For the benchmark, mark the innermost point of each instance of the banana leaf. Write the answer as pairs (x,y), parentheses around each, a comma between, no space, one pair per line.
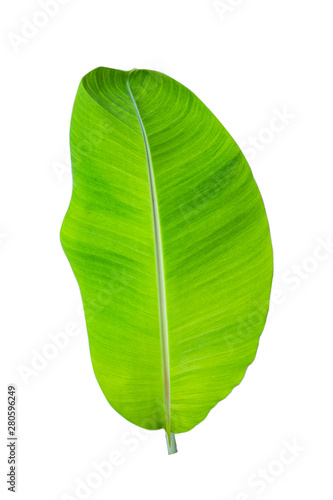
(168,238)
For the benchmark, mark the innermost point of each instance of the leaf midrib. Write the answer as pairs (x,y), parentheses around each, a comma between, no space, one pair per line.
(159,273)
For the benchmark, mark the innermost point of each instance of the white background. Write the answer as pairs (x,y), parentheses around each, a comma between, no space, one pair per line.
(248,61)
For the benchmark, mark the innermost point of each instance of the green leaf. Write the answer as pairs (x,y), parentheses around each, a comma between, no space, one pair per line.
(168,238)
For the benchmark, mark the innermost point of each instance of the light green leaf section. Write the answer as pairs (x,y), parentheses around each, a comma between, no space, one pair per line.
(168,238)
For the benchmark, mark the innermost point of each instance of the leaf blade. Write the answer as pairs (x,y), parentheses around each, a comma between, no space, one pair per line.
(214,241)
